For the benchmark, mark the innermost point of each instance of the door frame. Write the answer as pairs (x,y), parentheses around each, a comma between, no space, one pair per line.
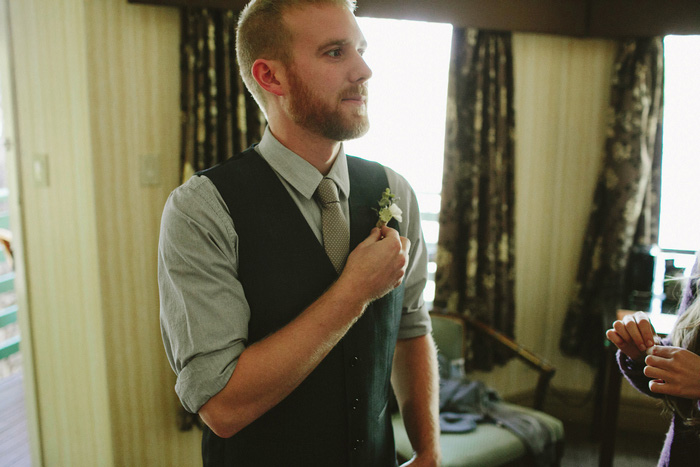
(12,147)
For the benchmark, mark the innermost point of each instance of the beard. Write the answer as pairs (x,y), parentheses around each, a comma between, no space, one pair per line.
(309,111)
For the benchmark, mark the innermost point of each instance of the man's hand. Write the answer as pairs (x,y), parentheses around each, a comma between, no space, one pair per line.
(633,335)
(417,461)
(414,377)
(377,265)
(674,371)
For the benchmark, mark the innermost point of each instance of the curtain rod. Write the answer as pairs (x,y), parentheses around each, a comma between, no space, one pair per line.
(582,18)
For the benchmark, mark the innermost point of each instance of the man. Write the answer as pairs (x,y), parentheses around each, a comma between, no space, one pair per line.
(285,350)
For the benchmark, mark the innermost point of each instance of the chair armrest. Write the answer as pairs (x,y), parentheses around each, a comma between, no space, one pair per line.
(545,370)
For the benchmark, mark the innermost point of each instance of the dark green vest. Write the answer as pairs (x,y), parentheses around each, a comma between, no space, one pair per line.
(338,416)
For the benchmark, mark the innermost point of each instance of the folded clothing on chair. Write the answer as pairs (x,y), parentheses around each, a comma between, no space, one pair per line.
(464,403)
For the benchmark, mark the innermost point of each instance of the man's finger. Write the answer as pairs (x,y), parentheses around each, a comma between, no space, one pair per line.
(405,244)
(374,236)
(388,232)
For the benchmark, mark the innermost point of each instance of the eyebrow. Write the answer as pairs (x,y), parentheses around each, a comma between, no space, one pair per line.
(339,42)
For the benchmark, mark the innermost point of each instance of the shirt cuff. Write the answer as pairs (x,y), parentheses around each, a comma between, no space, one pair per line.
(204,376)
(415,323)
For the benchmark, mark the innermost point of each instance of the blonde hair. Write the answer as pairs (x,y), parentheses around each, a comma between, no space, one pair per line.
(262,33)
(686,334)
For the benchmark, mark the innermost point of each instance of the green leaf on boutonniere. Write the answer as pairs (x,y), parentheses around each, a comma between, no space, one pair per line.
(387,209)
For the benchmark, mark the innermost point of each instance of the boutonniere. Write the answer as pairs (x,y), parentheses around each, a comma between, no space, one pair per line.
(387,209)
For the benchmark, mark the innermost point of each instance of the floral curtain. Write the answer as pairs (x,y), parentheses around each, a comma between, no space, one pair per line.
(625,211)
(475,272)
(219,117)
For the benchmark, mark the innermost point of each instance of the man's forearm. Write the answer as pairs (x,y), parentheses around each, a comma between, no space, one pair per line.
(416,385)
(269,370)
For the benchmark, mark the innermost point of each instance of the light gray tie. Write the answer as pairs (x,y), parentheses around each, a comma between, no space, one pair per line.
(336,234)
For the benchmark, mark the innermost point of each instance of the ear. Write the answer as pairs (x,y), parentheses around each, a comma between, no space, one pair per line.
(269,75)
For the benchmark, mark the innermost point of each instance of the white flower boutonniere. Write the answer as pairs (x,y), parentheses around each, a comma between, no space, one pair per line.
(387,209)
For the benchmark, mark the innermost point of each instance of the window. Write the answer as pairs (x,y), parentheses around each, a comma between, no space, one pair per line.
(408,95)
(680,226)
(679,233)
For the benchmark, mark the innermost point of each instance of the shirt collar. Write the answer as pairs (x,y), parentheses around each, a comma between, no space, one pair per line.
(300,174)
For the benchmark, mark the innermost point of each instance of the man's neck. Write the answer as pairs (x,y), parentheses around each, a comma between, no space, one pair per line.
(316,150)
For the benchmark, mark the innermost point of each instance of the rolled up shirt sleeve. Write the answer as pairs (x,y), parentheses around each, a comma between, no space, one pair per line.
(415,320)
(203,312)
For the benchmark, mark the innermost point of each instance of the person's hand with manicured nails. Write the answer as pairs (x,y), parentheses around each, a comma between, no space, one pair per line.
(674,371)
(634,335)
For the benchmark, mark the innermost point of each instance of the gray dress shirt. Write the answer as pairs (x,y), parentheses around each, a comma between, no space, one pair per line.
(203,309)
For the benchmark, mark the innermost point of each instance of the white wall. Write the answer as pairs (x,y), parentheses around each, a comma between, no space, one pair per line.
(97,87)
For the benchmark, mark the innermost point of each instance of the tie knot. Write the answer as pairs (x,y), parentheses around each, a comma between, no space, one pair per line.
(327,192)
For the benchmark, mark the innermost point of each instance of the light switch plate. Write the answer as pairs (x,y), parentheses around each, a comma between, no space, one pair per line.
(40,170)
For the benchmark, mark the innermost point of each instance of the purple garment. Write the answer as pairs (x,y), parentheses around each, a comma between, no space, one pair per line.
(682,444)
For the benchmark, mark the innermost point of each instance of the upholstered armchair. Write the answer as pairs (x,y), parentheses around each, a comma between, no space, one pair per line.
(491,443)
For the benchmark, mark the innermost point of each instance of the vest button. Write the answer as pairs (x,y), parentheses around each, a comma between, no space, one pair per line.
(354,361)
(357,443)
(355,403)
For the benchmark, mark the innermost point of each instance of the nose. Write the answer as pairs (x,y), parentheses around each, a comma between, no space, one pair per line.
(361,71)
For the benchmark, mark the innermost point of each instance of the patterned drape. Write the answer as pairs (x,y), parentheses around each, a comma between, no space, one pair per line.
(626,203)
(219,116)
(475,273)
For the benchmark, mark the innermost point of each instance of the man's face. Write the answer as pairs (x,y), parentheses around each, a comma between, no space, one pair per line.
(327,77)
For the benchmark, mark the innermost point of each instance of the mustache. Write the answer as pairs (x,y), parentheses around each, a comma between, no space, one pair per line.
(355,91)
